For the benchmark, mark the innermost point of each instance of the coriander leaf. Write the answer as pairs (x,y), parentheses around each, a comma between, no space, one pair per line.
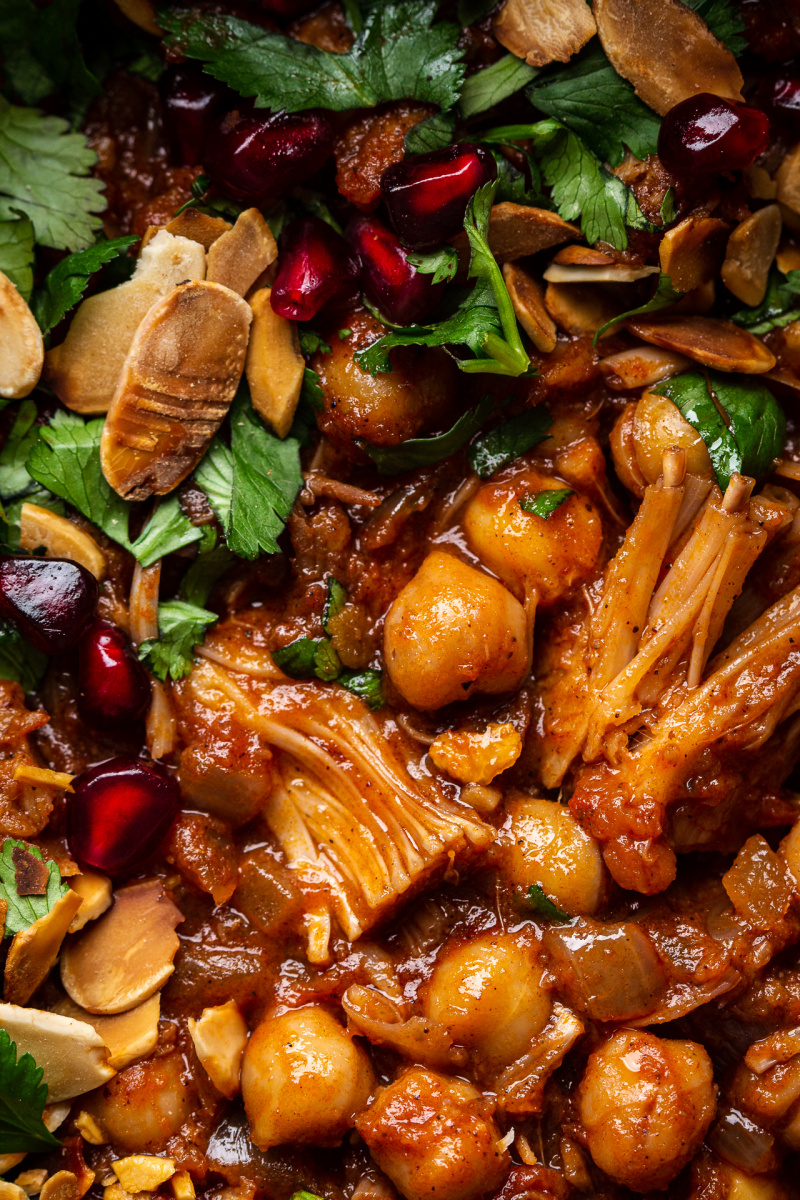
(668,211)
(367,685)
(16,254)
(148,65)
(43,169)
(512,184)
(690,394)
(66,283)
(22,1100)
(544,504)
(599,106)
(181,627)
(664,295)
(311,342)
(335,602)
(780,306)
(543,907)
(42,53)
(434,133)
(423,452)
(352,13)
(215,476)
(441,263)
(22,911)
(19,662)
(204,573)
(14,477)
(399,54)
(724,20)
(508,441)
(488,87)
(308,658)
(168,530)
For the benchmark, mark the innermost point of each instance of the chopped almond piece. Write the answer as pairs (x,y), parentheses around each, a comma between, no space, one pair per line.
(759,183)
(128,1036)
(238,257)
(31,1181)
(615,273)
(707,340)
(34,950)
(472,757)
(692,252)
(143,1172)
(10,1191)
(21,345)
(182,1186)
(583,256)
(89,1130)
(61,1186)
(666,51)
(751,253)
(61,538)
(43,777)
(220,1037)
(192,224)
(788,190)
(126,956)
(579,311)
(94,890)
(70,1053)
(7,1161)
(528,301)
(516,230)
(788,257)
(544,31)
(274,366)
(177,385)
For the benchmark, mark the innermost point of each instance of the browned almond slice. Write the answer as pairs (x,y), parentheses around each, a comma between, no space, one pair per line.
(21,345)
(579,310)
(220,1036)
(615,273)
(60,538)
(641,367)
(192,224)
(707,340)
(274,366)
(94,890)
(528,301)
(788,190)
(788,257)
(759,183)
(85,370)
(516,231)
(750,254)
(177,384)
(128,1036)
(34,950)
(583,256)
(692,253)
(238,257)
(61,1186)
(666,51)
(70,1053)
(143,1172)
(544,31)
(126,956)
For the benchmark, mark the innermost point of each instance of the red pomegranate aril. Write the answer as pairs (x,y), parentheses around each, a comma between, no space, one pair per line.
(779,96)
(315,265)
(113,687)
(119,813)
(706,133)
(192,100)
(388,279)
(256,156)
(427,195)
(50,600)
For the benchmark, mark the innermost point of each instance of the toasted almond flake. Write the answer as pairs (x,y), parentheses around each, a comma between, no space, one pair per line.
(94,890)
(8,1161)
(115,1192)
(182,1186)
(578,310)
(61,1186)
(34,950)
(61,538)
(128,1036)
(238,257)
(89,1130)
(71,1054)
(712,342)
(43,777)
(692,252)
(143,1172)
(274,365)
(142,13)
(192,224)
(177,384)
(85,370)
(476,757)
(666,51)
(528,301)
(220,1037)
(641,367)
(759,183)
(31,1181)
(124,957)
(583,256)
(515,231)
(544,31)
(55,1115)
(10,1191)
(788,257)
(750,254)
(787,194)
(616,273)
(21,345)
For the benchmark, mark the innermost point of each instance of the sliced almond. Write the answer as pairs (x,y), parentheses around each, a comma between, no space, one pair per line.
(61,1186)
(238,257)
(8,1161)
(528,301)
(21,345)
(89,1130)
(666,51)
(34,950)
(692,252)
(220,1037)
(182,1186)
(750,254)
(712,342)
(10,1191)
(274,366)
(94,890)
(177,385)
(788,190)
(143,1172)
(31,1181)
(615,273)
(71,1054)
(125,956)
(85,370)
(60,538)
(193,224)
(128,1036)
(583,256)
(579,310)
(759,183)
(544,31)
(515,231)
(788,257)
(641,367)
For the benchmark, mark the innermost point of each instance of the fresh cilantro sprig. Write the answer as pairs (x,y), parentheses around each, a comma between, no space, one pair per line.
(780,306)
(181,627)
(542,906)
(22,1100)
(68,280)
(664,295)
(544,504)
(16,254)
(488,87)
(400,53)
(724,20)
(508,440)
(22,911)
(434,133)
(42,53)
(442,263)
(424,452)
(19,661)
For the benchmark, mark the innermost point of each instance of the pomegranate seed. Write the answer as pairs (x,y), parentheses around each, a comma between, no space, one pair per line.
(50,600)
(706,133)
(256,156)
(191,100)
(426,196)
(779,96)
(315,265)
(113,688)
(119,813)
(389,280)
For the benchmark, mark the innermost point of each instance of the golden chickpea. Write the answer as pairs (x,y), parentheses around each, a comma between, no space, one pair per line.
(531,554)
(453,631)
(434,1138)
(144,1106)
(657,426)
(645,1104)
(303,1079)
(490,995)
(543,843)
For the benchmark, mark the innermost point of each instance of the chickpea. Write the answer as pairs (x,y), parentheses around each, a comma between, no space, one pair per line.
(418,394)
(434,1138)
(531,555)
(543,843)
(490,995)
(303,1079)
(645,1104)
(657,426)
(144,1106)
(453,631)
